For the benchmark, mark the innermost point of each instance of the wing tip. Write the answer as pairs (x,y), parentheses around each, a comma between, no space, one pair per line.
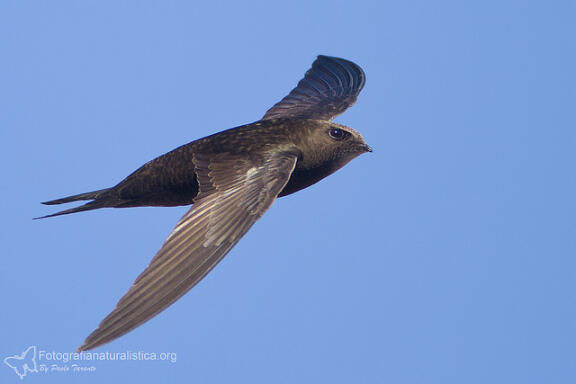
(331,79)
(349,66)
(86,346)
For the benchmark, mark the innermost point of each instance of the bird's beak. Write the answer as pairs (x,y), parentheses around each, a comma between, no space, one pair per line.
(367,148)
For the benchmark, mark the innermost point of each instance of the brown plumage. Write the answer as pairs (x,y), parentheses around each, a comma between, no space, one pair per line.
(230,178)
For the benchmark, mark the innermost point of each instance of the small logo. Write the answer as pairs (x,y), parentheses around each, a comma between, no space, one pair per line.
(23,363)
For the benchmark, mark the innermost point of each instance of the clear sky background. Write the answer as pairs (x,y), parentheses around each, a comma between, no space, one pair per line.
(446,256)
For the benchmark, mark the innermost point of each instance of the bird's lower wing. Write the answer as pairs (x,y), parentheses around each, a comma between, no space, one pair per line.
(234,192)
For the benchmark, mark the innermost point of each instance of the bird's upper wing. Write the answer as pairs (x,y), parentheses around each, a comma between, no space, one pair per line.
(329,88)
(234,193)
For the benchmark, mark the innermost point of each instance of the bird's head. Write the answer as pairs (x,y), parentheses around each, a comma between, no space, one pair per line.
(329,142)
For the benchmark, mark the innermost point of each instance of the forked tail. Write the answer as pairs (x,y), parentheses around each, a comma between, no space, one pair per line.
(82,196)
(97,203)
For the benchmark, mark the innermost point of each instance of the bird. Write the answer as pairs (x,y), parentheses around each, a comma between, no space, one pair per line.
(230,179)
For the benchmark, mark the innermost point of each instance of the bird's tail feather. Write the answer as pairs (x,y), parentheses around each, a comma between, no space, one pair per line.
(95,195)
(82,196)
(86,207)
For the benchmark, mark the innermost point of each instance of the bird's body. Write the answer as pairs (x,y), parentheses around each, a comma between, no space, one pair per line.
(170,179)
(230,178)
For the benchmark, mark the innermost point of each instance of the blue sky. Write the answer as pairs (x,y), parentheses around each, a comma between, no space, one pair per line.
(446,256)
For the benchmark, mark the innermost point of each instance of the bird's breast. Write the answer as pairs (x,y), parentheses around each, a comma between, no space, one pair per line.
(303,178)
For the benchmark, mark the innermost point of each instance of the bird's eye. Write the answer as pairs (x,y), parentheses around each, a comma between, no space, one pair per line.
(338,134)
